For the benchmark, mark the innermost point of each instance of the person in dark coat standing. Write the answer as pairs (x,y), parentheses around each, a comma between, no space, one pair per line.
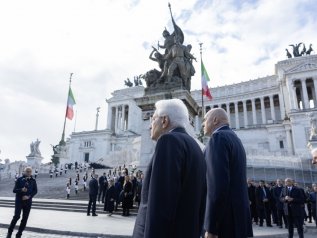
(251,193)
(227,210)
(103,185)
(313,200)
(139,189)
(263,197)
(304,214)
(273,209)
(293,199)
(276,193)
(309,205)
(174,186)
(118,188)
(93,192)
(127,200)
(110,198)
(25,189)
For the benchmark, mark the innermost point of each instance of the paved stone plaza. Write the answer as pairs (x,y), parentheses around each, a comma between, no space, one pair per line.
(43,223)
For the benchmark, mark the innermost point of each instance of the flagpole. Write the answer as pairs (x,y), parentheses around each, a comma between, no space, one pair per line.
(202,92)
(75,120)
(62,142)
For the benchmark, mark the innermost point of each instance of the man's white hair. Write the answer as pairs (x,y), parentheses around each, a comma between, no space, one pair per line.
(314,151)
(175,110)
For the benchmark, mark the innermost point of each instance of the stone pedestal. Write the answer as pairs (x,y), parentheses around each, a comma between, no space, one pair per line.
(60,153)
(147,105)
(34,161)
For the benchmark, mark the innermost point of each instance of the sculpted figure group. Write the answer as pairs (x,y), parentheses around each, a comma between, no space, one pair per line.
(175,63)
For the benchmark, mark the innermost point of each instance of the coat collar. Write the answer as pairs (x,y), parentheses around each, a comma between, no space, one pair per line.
(178,129)
(221,128)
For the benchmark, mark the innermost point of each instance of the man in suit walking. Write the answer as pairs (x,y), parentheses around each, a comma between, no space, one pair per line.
(276,193)
(227,209)
(293,199)
(263,197)
(174,187)
(93,192)
(25,189)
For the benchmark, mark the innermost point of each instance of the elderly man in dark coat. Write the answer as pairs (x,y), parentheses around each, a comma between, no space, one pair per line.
(25,189)
(227,210)
(174,187)
(293,198)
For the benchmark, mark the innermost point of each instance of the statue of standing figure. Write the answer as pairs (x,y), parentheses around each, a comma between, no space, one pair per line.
(175,64)
(313,126)
(34,147)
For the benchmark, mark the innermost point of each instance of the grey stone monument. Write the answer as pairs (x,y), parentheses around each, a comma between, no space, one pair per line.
(35,158)
(171,80)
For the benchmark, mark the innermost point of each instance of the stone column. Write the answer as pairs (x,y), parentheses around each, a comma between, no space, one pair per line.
(282,108)
(315,87)
(263,110)
(123,117)
(272,108)
(305,94)
(228,111)
(236,112)
(245,113)
(295,100)
(253,111)
(109,117)
(289,141)
(292,95)
(117,119)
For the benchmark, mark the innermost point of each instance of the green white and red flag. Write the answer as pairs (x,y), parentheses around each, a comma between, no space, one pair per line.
(204,82)
(70,103)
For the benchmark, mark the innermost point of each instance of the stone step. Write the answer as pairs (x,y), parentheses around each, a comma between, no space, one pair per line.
(64,206)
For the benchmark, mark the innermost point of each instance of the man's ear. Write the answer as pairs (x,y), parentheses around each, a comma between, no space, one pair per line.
(215,121)
(165,122)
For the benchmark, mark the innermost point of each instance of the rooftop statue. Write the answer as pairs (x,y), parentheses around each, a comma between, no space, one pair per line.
(297,52)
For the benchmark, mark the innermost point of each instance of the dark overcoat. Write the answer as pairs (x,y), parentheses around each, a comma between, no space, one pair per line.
(227,209)
(174,188)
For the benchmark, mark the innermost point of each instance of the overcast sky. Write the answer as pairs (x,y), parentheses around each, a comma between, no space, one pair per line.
(105,41)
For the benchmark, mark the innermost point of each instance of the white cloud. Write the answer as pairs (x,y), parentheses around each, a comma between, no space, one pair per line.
(104,42)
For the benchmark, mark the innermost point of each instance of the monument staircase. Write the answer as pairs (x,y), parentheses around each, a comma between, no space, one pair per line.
(52,194)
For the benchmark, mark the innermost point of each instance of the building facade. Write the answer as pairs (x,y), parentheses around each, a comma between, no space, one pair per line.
(269,114)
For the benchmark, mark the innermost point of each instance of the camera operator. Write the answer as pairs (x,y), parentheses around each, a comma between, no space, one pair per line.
(25,189)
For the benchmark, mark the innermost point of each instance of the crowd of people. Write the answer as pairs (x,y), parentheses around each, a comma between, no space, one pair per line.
(114,188)
(267,202)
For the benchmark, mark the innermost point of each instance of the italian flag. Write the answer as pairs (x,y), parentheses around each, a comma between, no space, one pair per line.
(70,103)
(204,82)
